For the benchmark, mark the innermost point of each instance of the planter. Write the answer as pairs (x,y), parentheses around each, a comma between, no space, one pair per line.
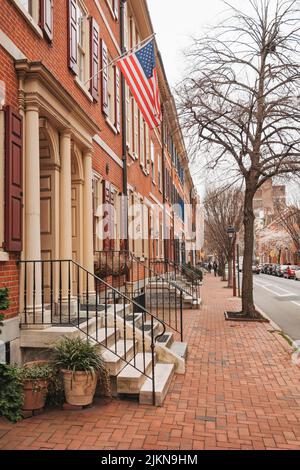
(79,387)
(35,393)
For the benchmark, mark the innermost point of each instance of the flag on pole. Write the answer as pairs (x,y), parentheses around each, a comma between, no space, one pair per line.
(139,70)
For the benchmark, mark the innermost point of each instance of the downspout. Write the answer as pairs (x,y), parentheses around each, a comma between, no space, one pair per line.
(164,188)
(124,130)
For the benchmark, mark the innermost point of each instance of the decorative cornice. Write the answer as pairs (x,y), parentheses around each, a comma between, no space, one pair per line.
(30,71)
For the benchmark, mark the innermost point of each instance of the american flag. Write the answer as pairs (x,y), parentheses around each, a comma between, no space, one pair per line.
(139,70)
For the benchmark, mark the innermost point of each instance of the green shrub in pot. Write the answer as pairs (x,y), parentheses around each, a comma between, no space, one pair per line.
(35,378)
(81,365)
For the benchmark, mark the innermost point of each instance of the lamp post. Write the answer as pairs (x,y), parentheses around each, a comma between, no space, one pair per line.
(232,236)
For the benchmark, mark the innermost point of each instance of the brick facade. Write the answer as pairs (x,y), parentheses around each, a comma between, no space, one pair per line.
(21,40)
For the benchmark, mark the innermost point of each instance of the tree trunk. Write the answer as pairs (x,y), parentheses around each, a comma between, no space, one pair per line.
(247,287)
(230,272)
(221,270)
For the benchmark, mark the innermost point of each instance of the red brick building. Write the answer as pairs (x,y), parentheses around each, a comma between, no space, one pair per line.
(63,152)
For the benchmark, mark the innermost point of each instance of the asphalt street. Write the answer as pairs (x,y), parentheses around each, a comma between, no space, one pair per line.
(280,299)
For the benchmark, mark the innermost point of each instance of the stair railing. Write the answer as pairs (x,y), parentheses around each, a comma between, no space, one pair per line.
(63,293)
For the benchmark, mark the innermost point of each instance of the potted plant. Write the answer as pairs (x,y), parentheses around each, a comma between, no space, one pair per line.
(35,378)
(81,364)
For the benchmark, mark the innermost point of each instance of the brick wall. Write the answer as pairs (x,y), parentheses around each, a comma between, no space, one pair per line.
(9,277)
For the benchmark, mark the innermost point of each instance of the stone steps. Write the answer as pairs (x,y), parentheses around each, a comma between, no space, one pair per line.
(124,350)
(130,379)
(163,377)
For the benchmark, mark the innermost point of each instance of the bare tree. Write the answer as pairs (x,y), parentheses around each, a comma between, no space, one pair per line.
(289,219)
(239,104)
(223,209)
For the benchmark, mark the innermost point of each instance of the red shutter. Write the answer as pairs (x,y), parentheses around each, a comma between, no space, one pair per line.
(118,100)
(116,9)
(13,180)
(104,78)
(73,40)
(46,13)
(95,59)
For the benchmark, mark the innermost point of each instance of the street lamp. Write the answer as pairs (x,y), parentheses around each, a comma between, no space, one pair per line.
(231,231)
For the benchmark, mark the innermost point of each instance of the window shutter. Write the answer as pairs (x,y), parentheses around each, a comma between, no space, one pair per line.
(13,180)
(116,8)
(104,78)
(73,39)
(46,14)
(118,99)
(95,58)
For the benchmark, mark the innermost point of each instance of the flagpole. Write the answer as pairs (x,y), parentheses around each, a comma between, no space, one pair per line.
(126,52)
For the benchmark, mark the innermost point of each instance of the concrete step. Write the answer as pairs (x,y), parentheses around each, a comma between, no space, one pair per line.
(148,326)
(124,350)
(179,348)
(166,340)
(111,334)
(130,380)
(163,377)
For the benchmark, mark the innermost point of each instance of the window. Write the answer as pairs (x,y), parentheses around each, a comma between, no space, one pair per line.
(39,14)
(159,172)
(111,92)
(142,140)
(97,201)
(152,162)
(82,44)
(27,5)
(114,7)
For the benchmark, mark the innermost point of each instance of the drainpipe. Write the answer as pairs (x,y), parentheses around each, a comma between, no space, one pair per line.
(124,133)
(164,187)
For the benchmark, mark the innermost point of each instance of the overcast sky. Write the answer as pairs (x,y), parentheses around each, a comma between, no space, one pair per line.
(175,21)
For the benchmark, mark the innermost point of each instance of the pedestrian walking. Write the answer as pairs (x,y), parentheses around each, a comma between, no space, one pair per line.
(215,268)
(209,267)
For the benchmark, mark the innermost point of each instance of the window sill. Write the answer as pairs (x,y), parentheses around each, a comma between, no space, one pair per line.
(29,19)
(111,125)
(85,91)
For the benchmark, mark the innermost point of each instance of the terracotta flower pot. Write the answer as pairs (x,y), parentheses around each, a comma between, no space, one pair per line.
(35,392)
(79,387)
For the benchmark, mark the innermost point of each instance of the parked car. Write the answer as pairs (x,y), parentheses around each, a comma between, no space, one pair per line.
(266,268)
(276,269)
(290,272)
(297,274)
(281,269)
(256,269)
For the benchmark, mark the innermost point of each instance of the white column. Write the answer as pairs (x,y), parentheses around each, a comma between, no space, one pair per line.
(65,213)
(32,213)
(88,241)
(32,182)
(88,250)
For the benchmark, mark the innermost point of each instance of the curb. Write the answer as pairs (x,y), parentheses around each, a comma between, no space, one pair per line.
(273,324)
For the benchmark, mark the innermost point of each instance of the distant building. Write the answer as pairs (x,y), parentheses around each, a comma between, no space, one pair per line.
(267,197)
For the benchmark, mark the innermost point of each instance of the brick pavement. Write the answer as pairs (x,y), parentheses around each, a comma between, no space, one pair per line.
(240,391)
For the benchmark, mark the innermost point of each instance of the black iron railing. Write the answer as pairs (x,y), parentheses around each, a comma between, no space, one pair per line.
(63,293)
(151,288)
(181,274)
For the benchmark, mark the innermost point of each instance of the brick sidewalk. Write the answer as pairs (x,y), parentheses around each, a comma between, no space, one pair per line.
(240,391)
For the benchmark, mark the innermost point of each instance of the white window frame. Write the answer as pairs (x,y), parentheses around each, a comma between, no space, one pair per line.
(31,15)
